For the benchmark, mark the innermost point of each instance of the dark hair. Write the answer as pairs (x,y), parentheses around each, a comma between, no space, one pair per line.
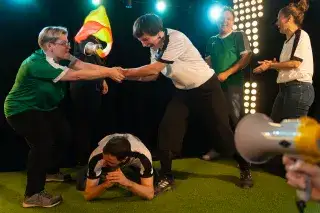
(149,24)
(118,146)
(297,11)
(226,8)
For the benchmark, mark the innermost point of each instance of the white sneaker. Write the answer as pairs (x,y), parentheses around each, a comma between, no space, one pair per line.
(212,154)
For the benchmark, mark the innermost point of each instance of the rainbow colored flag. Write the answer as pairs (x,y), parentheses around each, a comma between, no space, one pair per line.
(97,24)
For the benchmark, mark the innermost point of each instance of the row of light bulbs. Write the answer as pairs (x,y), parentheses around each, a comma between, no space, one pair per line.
(250,98)
(253,2)
(247,13)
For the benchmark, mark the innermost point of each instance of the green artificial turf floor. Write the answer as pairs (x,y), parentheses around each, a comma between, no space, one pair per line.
(200,187)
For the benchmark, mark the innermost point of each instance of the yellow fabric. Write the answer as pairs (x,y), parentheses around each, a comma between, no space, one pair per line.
(100,15)
(104,35)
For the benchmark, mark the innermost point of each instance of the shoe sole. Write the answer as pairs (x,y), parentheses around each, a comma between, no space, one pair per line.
(54,180)
(25,205)
(167,189)
(206,158)
(247,186)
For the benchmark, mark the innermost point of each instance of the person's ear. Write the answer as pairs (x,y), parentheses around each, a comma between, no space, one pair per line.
(160,34)
(49,46)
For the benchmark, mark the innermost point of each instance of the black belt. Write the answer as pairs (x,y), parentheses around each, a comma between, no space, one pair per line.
(294,82)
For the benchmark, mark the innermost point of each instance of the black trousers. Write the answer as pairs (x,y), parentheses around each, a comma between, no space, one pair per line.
(209,104)
(48,136)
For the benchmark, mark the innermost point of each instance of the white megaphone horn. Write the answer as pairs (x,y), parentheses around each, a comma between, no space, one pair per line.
(258,138)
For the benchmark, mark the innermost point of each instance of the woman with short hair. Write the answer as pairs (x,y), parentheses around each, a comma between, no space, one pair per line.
(31,109)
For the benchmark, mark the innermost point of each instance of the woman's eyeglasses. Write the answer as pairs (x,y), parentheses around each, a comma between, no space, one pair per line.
(63,43)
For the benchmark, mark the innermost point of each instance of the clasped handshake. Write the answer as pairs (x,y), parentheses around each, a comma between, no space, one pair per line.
(119,74)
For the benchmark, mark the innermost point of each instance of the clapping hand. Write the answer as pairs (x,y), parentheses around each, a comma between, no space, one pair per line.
(264,65)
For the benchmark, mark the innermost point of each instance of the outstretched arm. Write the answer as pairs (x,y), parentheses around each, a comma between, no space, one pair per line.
(79,70)
(144,79)
(145,71)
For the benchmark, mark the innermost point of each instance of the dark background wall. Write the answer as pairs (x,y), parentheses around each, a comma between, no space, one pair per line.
(131,107)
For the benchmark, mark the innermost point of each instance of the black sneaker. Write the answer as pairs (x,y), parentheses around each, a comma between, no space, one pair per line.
(42,199)
(246,179)
(58,177)
(163,185)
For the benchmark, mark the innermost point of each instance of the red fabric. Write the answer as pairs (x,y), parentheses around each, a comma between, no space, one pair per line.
(87,29)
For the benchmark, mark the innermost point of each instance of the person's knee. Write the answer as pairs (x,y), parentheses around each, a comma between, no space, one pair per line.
(81,179)
(169,139)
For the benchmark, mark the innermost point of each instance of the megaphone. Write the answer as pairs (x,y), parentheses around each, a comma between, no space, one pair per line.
(258,138)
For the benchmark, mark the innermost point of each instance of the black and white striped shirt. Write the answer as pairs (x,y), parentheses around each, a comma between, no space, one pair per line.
(139,157)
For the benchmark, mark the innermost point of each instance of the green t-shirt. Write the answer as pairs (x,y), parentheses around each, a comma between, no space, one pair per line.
(227,51)
(37,85)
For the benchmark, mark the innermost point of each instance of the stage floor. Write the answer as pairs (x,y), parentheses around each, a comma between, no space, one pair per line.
(200,187)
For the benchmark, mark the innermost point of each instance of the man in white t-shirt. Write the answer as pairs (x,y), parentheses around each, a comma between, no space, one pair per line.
(197,90)
(115,153)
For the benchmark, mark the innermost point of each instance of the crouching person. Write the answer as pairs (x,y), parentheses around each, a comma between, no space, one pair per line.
(107,162)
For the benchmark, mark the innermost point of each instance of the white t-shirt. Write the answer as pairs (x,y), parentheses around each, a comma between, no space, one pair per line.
(185,66)
(301,51)
(140,157)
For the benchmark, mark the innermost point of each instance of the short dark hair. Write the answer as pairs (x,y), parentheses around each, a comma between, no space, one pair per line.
(226,8)
(118,146)
(150,24)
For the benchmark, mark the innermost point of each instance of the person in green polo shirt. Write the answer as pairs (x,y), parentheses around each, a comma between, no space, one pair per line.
(31,109)
(228,53)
